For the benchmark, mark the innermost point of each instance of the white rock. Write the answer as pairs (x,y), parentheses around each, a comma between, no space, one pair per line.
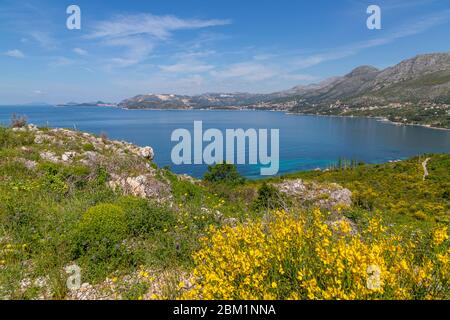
(146,152)
(49,156)
(68,156)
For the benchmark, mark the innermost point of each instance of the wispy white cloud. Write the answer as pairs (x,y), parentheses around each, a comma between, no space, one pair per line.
(160,27)
(139,34)
(187,68)
(15,54)
(410,29)
(80,51)
(61,62)
(246,70)
(136,50)
(44,39)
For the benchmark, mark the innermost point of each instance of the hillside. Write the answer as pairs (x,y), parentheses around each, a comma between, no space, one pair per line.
(208,100)
(415,91)
(140,232)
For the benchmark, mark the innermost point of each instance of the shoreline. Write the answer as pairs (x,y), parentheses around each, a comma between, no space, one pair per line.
(380,119)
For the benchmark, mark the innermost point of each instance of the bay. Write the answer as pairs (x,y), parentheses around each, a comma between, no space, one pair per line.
(306,142)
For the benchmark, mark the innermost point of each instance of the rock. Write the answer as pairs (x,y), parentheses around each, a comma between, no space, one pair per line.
(185,177)
(144,186)
(232,222)
(29,164)
(38,139)
(49,156)
(68,156)
(32,127)
(312,194)
(41,138)
(146,152)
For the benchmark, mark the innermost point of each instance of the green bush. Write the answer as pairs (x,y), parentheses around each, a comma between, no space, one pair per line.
(88,147)
(98,240)
(59,179)
(223,173)
(102,175)
(268,198)
(5,137)
(145,218)
(9,139)
(365,198)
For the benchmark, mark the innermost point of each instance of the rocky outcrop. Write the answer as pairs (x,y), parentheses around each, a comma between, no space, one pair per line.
(127,165)
(313,194)
(144,186)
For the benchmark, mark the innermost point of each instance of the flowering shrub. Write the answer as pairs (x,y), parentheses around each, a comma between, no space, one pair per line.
(307,257)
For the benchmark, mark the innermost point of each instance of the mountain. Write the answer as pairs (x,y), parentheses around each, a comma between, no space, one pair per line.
(422,78)
(207,100)
(415,91)
(88,104)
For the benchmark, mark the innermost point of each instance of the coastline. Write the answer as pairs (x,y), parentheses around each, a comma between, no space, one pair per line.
(380,119)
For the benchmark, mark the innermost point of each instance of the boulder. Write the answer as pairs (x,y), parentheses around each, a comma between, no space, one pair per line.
(146,152)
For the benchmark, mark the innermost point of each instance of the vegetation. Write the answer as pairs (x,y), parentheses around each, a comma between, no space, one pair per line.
(231,238)
(223,173)
(397,189)
(426,113)
(304,257)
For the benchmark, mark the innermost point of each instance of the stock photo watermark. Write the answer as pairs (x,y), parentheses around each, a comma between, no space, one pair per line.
(74,280)
(252,142)
(374,20)
(73,22)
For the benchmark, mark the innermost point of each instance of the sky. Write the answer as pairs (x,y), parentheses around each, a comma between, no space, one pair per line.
(125,48)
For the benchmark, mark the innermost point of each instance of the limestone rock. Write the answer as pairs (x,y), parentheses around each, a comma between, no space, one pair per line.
(147,153)
(322,195)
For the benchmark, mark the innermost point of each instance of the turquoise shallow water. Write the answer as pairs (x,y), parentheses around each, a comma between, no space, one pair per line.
(306,142)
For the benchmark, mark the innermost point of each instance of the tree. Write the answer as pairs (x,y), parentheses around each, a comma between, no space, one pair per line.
(223,173)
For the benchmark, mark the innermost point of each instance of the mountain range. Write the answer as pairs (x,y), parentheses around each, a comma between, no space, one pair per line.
(424,78)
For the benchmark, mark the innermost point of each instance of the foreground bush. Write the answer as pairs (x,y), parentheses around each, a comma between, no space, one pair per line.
(98,239)
(308,258)
(145,218)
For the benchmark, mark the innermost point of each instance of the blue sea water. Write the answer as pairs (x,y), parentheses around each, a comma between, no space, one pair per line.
(306,142)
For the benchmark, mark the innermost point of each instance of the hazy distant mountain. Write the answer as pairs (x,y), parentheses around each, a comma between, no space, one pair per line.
(36,104)
(207,100)
(422,78)
(88,104)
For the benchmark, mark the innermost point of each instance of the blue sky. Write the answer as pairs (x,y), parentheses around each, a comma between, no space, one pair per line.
(131,47)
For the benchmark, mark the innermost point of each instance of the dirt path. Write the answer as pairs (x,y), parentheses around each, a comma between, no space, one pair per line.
(425,170)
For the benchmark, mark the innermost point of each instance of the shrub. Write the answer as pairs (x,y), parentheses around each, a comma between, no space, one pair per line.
(18,121)
(59,179)
(365,198)
(223,173)
(5,137)
(10,139)
(305,257)
(145,218)
(98,239)
(268,198)
(102,175)
(420,215)
(88,147)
